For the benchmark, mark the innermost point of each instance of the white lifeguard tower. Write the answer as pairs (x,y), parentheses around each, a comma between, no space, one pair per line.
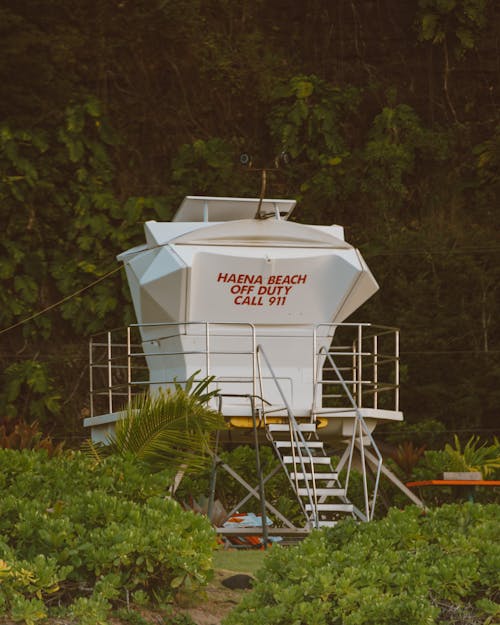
(232,289)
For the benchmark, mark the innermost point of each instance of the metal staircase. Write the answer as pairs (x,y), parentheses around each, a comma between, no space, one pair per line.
(309,468)
(310,471)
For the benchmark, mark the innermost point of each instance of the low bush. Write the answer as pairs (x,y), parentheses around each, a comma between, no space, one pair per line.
(410,567)
(83,537)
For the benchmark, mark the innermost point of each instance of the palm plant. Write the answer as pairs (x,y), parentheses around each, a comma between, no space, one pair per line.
(407,456)
(170,429)
(198,389)
(474,457)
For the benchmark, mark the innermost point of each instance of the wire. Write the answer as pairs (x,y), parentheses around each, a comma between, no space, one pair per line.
(472,250)
(61,301)
(367,254)
(444,431)
(429,352)
(448,352)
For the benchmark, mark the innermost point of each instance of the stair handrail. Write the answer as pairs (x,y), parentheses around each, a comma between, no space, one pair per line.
(362,426)
(295,436)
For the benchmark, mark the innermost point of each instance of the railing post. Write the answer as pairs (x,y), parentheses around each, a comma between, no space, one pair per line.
(207,348)
(254,363)
(375,371)
(315,374)
(359,376)
(110,376)
(129,368)
(91,373)
(260,476)
(397,370)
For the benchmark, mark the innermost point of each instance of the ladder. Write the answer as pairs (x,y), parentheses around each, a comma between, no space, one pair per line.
(313,478)
(310,470)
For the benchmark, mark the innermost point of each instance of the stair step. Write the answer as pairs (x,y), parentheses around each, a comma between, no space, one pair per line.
(306,459)
(330,507)
(284,427)
(310,444)
(327,523)
(329,492)
(318,476)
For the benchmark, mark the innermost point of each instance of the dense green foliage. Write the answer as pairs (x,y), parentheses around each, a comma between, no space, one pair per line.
(113,111)
(424,569)
(81,538)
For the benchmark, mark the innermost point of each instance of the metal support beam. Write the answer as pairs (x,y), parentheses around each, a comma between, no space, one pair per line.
(373,460)
(253,492)
(247,497)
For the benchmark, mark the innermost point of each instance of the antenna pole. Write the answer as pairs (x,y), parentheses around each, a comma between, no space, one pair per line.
(262,193)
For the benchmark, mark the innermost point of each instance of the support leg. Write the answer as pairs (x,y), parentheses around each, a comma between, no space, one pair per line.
(393,478)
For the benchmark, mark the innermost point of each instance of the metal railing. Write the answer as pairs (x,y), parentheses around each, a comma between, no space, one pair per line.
(297,443)
(367,356)
(359,432)
(119,369)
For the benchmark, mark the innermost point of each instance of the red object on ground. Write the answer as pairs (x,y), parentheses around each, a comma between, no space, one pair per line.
(249,541)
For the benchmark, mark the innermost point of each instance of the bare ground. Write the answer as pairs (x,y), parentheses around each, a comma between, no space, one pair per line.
(208,607)
(214,603)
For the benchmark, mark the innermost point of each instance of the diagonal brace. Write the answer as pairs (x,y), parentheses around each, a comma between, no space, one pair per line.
(252,491)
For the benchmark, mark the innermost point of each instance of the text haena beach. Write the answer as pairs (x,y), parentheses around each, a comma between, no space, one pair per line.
(259,290)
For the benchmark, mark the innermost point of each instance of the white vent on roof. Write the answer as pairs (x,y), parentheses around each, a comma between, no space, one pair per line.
(195,208)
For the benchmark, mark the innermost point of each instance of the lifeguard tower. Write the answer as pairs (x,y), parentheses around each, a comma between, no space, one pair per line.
(232,289)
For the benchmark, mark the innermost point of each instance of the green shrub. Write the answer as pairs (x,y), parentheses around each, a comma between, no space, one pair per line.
(407,568)
(474,455)
(88,536)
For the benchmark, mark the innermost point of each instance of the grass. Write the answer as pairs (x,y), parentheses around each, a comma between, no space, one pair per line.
(239,560)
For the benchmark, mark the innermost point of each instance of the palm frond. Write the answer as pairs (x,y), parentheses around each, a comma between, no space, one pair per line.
(172,428)
(93,451)
(474,457)
(197,389)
